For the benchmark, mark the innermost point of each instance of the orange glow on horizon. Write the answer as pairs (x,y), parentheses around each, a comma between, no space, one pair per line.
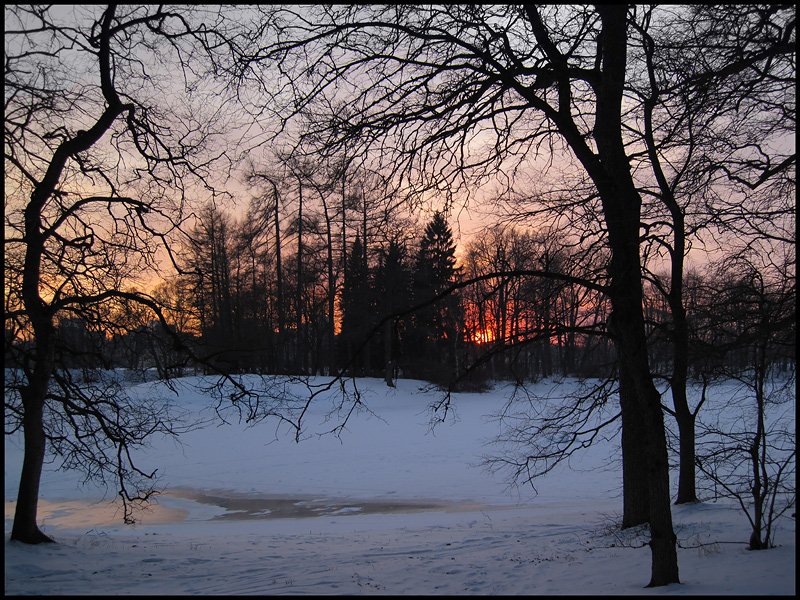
(483,336)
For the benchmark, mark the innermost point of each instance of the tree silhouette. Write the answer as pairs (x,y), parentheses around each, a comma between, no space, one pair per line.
(431,82)
(356,307)
(99,161)
(437,327)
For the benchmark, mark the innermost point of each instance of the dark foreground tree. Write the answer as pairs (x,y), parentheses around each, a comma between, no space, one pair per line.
(654,106)
(99,164)
(447,96)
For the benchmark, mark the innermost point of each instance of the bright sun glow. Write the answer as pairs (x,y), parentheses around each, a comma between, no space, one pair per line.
(483,336)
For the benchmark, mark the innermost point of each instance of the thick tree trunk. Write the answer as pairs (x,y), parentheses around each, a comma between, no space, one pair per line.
(33,394)
(628,326)
(645,408)
(622,212)
(687,490)
(662,537)
(635,484)
(25,528)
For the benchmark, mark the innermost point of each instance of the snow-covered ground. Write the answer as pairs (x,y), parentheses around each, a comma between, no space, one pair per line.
(391,507)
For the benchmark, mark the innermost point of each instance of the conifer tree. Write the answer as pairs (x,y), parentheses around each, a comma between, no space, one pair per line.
(437,326)
(356,306)
(392,288)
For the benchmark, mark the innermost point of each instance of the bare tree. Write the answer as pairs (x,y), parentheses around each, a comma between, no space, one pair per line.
(655,106)
(752,457)
(447,96)
(100,167)
(716,93)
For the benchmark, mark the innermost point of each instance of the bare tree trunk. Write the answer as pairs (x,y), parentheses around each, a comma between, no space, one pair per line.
(646,410)
(631,341)
(662,536)
(25,528)
(635,485)
(33,395)
(687,490)
(279,286)
(622,211)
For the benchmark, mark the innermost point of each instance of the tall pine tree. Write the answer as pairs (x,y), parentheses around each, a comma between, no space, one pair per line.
(392,287)
(437,327)
(356,308)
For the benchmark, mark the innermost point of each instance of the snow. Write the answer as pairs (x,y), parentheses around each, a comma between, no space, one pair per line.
(390,507)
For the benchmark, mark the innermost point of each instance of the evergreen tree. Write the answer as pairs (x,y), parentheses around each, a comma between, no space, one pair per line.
(437,327)
(392,289)
(356,317)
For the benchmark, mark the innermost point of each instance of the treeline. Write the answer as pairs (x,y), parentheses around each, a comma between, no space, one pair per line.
(292,289)
(300,281)
(304,292)
(313,280)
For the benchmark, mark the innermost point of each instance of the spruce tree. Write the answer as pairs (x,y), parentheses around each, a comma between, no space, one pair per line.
(437,326)
(356,313)
(392,288)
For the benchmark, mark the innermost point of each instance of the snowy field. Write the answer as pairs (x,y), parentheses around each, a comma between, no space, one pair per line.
(390,508)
